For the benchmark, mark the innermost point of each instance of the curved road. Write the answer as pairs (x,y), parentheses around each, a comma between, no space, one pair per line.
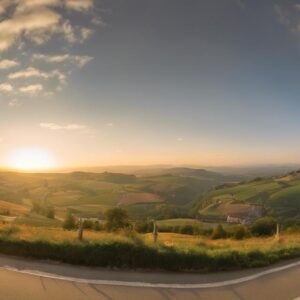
(32,280)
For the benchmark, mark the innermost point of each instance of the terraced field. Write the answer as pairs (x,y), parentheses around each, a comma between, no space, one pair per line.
(279,197)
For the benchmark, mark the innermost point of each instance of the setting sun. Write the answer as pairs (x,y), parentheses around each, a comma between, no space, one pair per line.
(31,159)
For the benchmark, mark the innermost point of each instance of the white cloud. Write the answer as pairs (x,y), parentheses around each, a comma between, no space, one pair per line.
(80,61)
(39,20)
(79,5)
(68,127)
(30,24)
(85,33)
(27,5)
(8,64)
(6,88)
(28,73)
(33,72)
(31,89)
(69,32)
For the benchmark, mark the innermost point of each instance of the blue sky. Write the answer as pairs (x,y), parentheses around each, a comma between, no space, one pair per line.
(203,82)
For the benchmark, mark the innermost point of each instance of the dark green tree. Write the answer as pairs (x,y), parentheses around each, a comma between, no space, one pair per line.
(219,233)
(69,222)
(116,219)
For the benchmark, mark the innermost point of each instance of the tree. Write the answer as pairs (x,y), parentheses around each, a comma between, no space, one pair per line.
(219,233)
(69,222)
(116,219)
(240,232)
(50,213)
(264,227)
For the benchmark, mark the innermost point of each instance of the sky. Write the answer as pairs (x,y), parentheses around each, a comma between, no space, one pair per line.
(114,82)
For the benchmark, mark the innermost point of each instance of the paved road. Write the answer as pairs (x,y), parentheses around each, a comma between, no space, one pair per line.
(15,285)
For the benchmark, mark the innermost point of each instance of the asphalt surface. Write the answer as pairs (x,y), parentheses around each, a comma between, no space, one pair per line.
(32,280)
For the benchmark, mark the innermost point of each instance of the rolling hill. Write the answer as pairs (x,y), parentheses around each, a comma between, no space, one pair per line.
(277,196)
(171,193)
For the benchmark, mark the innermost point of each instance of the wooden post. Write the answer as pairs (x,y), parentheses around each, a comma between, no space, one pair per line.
(80,230)
(155,232)
(277,235)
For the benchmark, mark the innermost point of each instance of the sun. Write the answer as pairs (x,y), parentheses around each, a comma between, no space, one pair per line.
(31,159)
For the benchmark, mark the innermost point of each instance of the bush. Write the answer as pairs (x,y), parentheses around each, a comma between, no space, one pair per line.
(134,254)
(97,226)
(264,227)
(240,232)
(116,219)
(187,229)
(69,222)
(219,233)
(88,224)
(50,213)
(143,226)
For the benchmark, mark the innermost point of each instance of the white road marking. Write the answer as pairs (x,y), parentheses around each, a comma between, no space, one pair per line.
(155,285)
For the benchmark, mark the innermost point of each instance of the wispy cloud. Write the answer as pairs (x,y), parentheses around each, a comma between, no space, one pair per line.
(67,127)
(35,73)
(80,61)
(32,89)
(79,5)
(28,73)
(287,13)
(8,64)
(6,87)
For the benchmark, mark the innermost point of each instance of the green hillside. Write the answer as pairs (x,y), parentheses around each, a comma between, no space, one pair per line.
(278,197)
(172,194)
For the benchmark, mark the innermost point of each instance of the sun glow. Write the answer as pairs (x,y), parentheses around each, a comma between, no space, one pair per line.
(30,159)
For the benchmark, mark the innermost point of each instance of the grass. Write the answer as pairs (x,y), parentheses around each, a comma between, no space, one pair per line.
(172,252)
(36,220)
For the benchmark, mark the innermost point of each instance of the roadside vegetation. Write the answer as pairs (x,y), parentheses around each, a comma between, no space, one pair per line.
(129,250)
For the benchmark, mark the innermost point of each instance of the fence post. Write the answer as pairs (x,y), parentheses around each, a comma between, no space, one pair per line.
(80,230)
(155,232)
(277,235)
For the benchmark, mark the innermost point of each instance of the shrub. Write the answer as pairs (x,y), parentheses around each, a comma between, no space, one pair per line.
(69,222)
(50,213)
(135,254)
(219,233)
(117,219)
(187,229)
(97,226)
(240,232)
(264,227)
(88,224)
(143,226)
